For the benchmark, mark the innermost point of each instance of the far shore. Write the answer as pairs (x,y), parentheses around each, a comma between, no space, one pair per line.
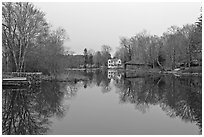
(72,77)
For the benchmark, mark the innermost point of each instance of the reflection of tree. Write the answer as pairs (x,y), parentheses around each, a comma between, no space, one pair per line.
(177,96)
(49,99)
(89,75)
(96,77)
(28,111)
(106,88)
(139,92)
(187,99)
(18,114)
(101,79)
(70,89)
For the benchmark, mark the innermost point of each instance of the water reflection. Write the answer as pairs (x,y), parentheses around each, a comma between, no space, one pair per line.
(114,74)
(99,78)
(177,96)
(28,111)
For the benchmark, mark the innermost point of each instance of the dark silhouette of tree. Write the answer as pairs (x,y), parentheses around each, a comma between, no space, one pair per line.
(178,97)
(27,112)
(97,58)
(85,57)
(19,118)
(90,59)
(105,53)
(126,43)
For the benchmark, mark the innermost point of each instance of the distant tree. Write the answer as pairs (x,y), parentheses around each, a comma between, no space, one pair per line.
(186,43)
(196,41)
(178,43)
(126,43)
(161,56)
(73,61)
(97,59)
(90,51)
(122,54)
(106,48)
(68,51)
(85,57)
(199,22)
(172,45)
(105,51)
(90,59)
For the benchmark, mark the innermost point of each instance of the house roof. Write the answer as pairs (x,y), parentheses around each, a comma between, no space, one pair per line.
(114,60)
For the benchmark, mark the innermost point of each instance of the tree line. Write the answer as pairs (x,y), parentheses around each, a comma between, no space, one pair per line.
(178,46)
(29,44)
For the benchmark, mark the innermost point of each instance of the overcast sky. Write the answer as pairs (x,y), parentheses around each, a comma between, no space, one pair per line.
(90,25)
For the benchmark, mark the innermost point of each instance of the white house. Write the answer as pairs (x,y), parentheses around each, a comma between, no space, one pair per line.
(114,63)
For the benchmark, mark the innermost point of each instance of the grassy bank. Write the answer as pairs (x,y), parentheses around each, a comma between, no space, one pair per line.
(180,72)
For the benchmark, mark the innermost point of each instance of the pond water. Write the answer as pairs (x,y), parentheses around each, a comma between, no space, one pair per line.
(108,102)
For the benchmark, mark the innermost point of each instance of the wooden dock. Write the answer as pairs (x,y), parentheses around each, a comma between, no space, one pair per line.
(20,79)
(15,81)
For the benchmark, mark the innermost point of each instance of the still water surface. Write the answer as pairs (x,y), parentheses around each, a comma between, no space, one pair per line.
(106,103)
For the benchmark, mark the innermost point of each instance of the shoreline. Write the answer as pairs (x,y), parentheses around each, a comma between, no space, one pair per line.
(193,71)
(67,79)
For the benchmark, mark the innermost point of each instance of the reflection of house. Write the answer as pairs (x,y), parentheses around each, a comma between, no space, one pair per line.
(114,63)
(114,74)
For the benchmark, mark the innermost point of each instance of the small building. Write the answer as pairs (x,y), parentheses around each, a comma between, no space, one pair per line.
(114,63)
(137,63)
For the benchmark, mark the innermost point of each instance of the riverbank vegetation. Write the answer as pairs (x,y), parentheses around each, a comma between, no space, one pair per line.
(29,44)
(177,47)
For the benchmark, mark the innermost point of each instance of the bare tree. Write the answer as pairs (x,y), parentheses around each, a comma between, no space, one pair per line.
(126,43)
(105,51)
(22,23)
